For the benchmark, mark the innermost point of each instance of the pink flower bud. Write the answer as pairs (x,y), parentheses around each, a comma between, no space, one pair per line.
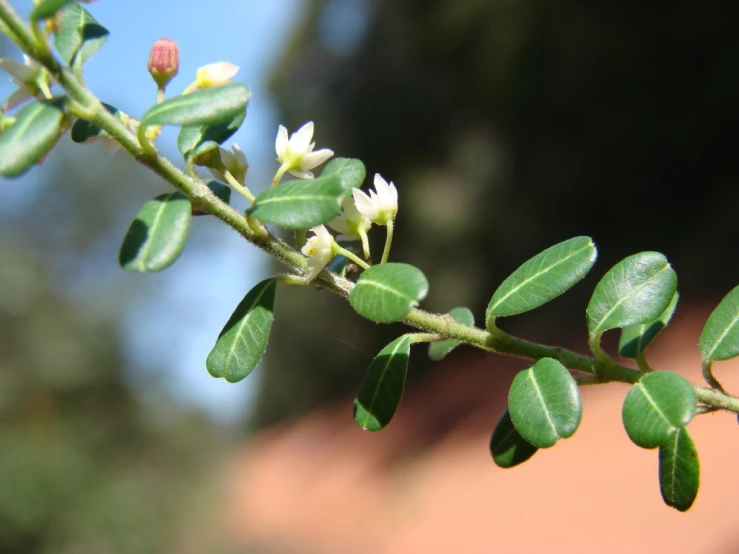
(164,61)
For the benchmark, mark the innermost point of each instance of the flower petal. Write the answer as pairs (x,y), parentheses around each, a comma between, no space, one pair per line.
(281,141)
(22,72)
(22,94)
(300,141)
(314,159)
(316,264)
(365,204)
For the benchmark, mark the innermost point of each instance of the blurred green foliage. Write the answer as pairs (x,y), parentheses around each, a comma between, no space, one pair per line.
(86,465)
(508,126)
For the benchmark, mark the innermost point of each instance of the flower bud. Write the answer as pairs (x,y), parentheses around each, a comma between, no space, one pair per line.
(164,61)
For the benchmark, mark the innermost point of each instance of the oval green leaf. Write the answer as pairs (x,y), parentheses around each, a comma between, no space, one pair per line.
(208,107)
(635,338)
(657,406)
(636,290)
(507,446)
(387,292)
(382,387)
(350,171)
(195,140)
(544,403)
(47,8)
(79,35)
(543,278)
(220,190)
(243,340)
(157,236)
(720,337)
(300,204)
(679,470)
(439,350)
(35,131)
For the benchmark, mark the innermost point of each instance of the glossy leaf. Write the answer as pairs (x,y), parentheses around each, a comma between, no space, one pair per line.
(300,204)
(657,406)
(84,130)
(544,403)
(208,107)
(243,340)
(679,470)
(507,446)
(79,35)
(34,132)
(387,292)
(47,8)
(220,190)
(157,236)
(720,337)
(195,140)
(382,387)
(439,350)
(635,338)
(350,171)
(636,290)
(543,278)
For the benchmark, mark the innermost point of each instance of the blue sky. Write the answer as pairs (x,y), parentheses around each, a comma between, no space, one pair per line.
(249,33)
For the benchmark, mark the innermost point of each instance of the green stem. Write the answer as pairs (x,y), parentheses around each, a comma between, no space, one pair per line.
(642,364)
(423,337)
(388,241)
(365,243)
(430,324)
(241,189)
(707,369)
(350,255)
(279,174)
(301,237)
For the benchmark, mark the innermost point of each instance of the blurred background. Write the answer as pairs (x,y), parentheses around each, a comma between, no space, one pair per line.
(507,126)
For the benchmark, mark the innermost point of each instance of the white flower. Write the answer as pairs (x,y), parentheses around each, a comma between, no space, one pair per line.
(320,251)
(350,223)
(215,74)
(379,207)
(297,153)
(234,162)
(25,75)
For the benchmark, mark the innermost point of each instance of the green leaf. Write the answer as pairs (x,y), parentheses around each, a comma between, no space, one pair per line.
(439,350)
(387,292)
(544,403)
(195,140)
(507,446)
(243,340)
(636,290)
(47,8)
(543,278)
(157,236)
(220,190)
(35,131)
(208,107)
(79,35)
(382,387)
(300,204)
(635,338)
(720,337)
(679,470)
(350,171)
(84,130)
(656,407)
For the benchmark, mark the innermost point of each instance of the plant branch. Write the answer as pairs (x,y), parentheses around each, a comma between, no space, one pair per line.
(203,199)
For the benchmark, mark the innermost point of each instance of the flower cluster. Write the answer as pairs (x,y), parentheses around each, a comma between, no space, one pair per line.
(358,213)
